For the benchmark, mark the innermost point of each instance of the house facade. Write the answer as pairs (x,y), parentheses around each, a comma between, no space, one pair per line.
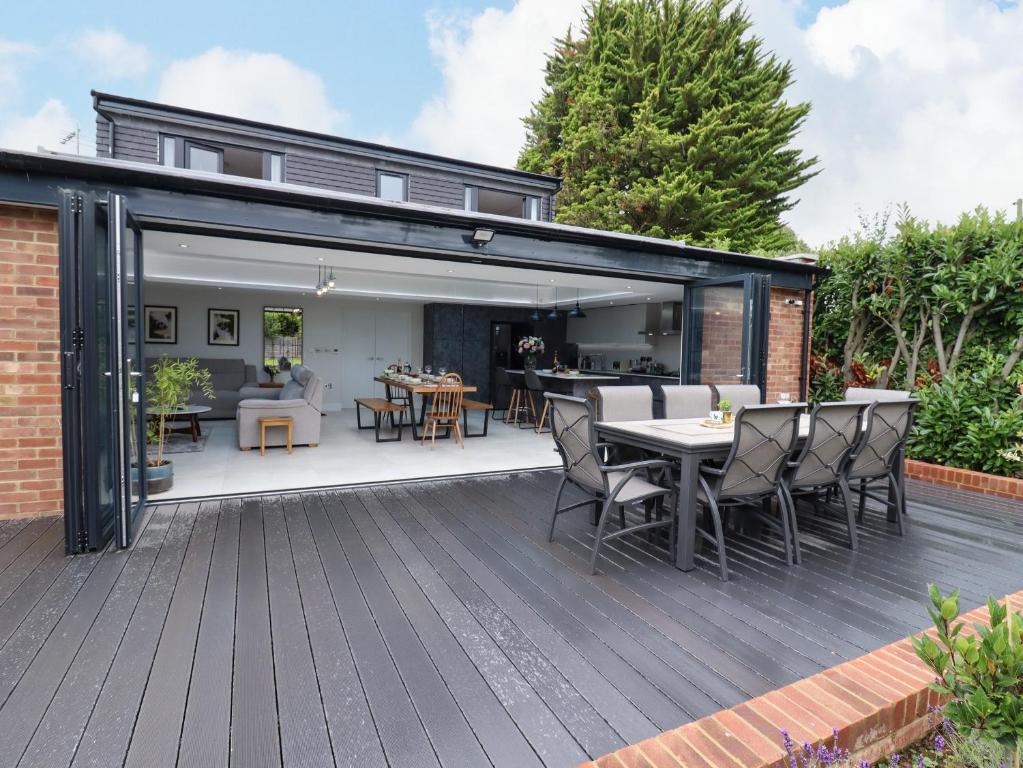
(184,216)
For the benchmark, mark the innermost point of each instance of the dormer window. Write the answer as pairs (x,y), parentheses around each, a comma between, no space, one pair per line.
(227,159)
(484,200)
(392,186)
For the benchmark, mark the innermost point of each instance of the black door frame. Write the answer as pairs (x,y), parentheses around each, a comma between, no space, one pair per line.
(92,243)
(756,320)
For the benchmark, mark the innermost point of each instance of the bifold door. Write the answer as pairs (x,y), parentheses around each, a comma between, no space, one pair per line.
(103,404)
(724,330)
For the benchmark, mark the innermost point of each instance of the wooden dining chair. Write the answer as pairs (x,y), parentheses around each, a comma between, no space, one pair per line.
(445,409)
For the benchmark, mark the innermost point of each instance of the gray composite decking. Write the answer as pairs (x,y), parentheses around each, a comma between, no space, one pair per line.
(431,624)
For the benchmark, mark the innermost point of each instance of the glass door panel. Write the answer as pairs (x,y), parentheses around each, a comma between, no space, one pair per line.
(133,381)
(724,330)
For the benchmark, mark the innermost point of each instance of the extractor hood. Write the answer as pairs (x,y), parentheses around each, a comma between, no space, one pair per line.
(663,319)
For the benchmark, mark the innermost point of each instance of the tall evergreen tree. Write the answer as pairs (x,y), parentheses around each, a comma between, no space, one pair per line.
(667,118)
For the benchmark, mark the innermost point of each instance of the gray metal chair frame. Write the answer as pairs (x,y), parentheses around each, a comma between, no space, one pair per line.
(873,461)
(534,386)
(765,438)
(835,431)
(572,420)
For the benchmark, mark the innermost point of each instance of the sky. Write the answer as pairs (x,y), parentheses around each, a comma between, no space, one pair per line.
(914,101)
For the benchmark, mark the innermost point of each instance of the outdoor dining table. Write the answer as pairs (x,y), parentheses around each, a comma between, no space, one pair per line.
(689,442)
(424,388)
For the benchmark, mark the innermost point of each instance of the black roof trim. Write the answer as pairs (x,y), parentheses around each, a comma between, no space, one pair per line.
(68,168)
(103,102)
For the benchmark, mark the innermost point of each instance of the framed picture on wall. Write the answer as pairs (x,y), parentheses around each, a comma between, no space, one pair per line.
(161,325)
(222,327)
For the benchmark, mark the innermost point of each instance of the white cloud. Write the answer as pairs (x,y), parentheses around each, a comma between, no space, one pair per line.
(13,56)
(110,54)
(493,68)
(45,128)
(258,86)
(916,101)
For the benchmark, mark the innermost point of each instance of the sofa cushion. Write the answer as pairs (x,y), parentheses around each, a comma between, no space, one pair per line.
(301,374)
(225,373)
(292,391)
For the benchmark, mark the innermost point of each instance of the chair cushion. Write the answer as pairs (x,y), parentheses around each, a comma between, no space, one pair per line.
(635,488)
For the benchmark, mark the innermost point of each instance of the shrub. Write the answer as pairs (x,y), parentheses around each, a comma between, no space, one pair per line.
(982,674)
(971,419)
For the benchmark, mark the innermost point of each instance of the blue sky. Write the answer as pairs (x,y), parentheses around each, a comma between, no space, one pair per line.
(374,57)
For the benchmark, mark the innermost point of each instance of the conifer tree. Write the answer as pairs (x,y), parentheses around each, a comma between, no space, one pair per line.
(668,118)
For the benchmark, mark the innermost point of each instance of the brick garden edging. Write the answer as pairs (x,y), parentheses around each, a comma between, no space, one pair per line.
(966,479)
(878,702)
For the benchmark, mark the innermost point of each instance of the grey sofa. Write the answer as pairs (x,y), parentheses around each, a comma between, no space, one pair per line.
(301,398)
(233,381)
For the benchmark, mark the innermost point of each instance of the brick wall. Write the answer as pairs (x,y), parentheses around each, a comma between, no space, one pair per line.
(721,352)
(31,454)
(785,354)
(877,702)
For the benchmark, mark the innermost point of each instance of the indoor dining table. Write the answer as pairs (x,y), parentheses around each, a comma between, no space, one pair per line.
(688,442)
(423,388)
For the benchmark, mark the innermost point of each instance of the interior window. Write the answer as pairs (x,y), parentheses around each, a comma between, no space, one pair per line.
(502,203)
(243,162)
(277,168)
(204,159)
(168,151)
(282,338)
(392,186)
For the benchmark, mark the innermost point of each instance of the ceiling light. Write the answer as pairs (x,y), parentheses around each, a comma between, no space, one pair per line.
(331,280)
(450,271)
(319,258)
(536,317)
(553,314)
(576,311)
(182,245)
(482,236)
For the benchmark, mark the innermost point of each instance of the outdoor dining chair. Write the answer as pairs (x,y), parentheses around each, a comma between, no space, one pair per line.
(614,486)
(873,462)
(835,430)
(871,394)
(739,395)
(445,410)
(765,437)
(687,401)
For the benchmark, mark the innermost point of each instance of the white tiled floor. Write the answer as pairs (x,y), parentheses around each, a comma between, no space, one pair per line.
(346,455)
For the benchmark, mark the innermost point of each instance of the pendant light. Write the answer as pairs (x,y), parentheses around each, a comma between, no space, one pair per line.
(576,311)
(536,317)
(553,314)
(331,280)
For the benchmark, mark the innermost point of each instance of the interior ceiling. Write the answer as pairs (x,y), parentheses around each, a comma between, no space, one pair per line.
(233,262)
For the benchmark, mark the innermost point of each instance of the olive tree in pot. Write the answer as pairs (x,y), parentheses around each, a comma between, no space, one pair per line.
(168,388)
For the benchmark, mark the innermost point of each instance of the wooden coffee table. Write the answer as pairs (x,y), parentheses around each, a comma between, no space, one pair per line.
(189,413)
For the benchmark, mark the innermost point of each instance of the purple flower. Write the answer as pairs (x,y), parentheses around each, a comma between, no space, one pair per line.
(920,761)
(896,759)
(939,743)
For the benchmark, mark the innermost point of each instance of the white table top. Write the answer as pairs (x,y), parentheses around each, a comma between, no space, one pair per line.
(186,411)
(686,433)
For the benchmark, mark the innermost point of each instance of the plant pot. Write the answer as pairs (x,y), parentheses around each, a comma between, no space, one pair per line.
(530,362)
(726,417)
(158,479)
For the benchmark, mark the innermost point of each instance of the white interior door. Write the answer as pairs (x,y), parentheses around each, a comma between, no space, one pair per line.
(393,337)
(358,354)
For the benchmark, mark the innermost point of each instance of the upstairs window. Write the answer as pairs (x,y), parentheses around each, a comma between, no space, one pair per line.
(245,162)
(484,200)
(392,186)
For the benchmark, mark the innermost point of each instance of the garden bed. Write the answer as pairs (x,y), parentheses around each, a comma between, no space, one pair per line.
(966,479)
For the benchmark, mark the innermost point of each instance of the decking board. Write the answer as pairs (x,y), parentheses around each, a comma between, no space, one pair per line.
(432,623)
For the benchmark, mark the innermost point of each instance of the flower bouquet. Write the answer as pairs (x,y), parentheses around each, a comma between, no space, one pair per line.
(530,347)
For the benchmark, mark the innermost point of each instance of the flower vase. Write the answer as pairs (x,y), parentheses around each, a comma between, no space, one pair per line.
(531,362)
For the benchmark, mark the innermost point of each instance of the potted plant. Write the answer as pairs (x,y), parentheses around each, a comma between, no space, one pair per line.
(725,406)
(170,384)
(530,347)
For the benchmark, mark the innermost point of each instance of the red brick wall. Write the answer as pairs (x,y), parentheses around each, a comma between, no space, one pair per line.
(31,451)
(720,355)
(785,354)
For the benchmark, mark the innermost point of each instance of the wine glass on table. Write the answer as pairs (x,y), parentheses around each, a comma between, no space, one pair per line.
(427,369)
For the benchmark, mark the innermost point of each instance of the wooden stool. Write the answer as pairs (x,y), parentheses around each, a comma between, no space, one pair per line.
(273,421)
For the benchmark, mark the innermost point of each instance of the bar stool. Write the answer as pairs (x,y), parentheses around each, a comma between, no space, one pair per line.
(517,401)
(535,388)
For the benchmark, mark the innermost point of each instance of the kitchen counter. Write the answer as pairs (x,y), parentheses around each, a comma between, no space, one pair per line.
(575,384)
(657,376)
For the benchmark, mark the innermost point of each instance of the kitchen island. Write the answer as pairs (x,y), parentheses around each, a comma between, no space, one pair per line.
(575,384)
